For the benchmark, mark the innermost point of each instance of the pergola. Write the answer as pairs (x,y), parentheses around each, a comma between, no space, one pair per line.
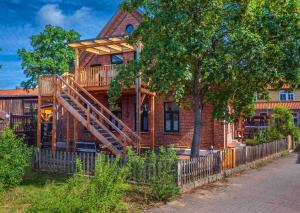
(117,45)
(103,45)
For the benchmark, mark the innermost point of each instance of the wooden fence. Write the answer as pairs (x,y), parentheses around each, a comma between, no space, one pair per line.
(195,169)
(187,171)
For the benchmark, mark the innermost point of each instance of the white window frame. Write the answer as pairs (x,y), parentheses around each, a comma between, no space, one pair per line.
(289,96)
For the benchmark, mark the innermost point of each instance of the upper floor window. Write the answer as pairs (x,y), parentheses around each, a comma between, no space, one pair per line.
(117,59)
(129,29)
(171,115)
(286,95)
(260,97)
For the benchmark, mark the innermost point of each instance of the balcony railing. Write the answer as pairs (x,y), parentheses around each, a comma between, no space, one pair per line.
(99,76)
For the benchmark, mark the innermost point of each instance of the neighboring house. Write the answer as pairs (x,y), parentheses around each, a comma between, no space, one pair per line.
(263,106)
(82,96)
(17,109)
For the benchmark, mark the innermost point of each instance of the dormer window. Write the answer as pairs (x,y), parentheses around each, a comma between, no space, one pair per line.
(129,29)
(286,95)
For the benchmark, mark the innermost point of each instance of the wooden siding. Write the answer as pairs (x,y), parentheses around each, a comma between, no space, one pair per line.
(16,106)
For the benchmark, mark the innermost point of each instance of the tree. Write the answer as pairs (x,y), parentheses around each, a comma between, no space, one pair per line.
(213,51)
(49,54)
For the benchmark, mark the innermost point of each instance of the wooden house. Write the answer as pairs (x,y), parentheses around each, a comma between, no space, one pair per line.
(143,119)
(17,110)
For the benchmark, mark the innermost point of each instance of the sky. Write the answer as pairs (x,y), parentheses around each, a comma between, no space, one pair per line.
(20,19)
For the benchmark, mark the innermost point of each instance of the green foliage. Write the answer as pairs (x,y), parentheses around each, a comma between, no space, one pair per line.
(49,55)
(240,47)
(269,135)
(157,169)
(15,157)
(213,51)
(163,187)
(102,193)
(283,122)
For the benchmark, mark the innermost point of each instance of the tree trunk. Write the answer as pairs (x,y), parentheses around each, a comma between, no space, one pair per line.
(197,111)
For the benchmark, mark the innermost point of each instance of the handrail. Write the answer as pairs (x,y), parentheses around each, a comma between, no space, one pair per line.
(105,109)
(93,108)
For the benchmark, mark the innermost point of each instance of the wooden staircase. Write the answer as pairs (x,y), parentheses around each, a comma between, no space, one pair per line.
(93,115)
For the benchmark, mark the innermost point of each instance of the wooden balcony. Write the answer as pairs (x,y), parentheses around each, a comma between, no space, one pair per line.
(99,76)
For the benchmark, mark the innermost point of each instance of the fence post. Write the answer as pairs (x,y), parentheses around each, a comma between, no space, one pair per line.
(179,173)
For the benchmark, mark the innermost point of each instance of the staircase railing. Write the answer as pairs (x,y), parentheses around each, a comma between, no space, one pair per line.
(67,84)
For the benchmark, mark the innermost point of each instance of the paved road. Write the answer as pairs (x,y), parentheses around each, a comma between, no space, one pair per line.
(274,188)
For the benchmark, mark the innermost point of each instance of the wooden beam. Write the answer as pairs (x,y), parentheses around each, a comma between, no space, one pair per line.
(116,47)
(143,98)
(77,61)
(68,131)
(104,49)
(152,128)
(54,117)
(127,46)
(39,119)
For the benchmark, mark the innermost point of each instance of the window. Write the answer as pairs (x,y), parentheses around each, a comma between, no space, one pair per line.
(286,95)
(171,117)
(129,29)
(117,59)
(295,118)
(30,107)
(144,123)
(118,114)
(260,97)
(144,118)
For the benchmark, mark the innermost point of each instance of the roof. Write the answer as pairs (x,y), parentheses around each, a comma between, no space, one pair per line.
(273,104)
(104,45)
(18,93)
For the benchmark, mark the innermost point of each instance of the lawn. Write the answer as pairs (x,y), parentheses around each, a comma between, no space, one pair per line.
(18,198)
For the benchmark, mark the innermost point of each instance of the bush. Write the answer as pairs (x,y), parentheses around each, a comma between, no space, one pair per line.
(284,122)
(161,167)
(251,142)
(102,193)
(15,157)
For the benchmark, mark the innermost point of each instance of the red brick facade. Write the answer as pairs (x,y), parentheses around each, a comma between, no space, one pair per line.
(213,132)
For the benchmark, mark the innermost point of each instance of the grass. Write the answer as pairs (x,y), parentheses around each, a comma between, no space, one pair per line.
(16,199)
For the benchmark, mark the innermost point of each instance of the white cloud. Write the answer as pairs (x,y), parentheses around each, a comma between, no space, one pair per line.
(51,14)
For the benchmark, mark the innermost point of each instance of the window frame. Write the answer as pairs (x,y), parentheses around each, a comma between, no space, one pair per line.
(295,117)
(286,95)
(144,114)
(173,112)
(126,29)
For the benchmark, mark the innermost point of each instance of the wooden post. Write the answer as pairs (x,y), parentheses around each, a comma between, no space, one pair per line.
(76,63)
(138,99)
(68,131)
(152,128)
(39,120)
(54,117)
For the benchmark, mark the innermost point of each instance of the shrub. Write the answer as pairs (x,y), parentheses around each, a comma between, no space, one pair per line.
(160,166)
(163,187)
(15,157)
(251,142)
(102,193)
(283,122)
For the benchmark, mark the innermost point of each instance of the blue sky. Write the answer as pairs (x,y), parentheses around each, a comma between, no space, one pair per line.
(19,19)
